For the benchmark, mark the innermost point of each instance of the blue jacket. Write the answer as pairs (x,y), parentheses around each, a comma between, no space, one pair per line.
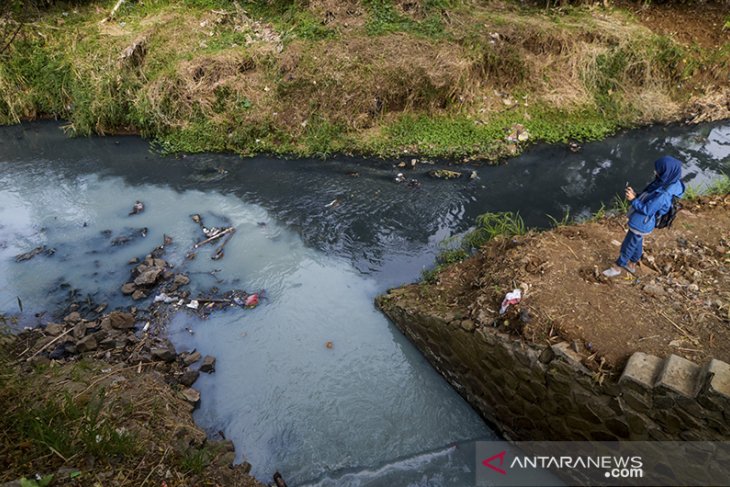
(648,205)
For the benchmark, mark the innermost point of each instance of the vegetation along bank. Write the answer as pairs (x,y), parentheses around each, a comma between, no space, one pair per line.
(435,78)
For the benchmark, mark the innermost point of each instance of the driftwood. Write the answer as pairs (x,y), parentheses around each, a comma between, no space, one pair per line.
(219,251)
(215,237)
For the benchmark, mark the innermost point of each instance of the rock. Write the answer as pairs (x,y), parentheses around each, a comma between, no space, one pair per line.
(148,277)
(188,377)
(164,354)
(72,317)
(110,343)
(468,325)
(79,330)
(54,329)
(133,260)
(191,395)
(655,290)
(226,459)
(128,288)
(181,280)
(139,294)
(106,324)
(121,321)
(208,365)
(190,358)
(87,344)
(40,361)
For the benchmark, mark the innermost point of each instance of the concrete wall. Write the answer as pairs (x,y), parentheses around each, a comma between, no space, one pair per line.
(533,392)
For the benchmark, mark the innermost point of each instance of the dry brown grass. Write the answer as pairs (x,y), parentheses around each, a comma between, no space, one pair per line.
(352,82)
(136,400)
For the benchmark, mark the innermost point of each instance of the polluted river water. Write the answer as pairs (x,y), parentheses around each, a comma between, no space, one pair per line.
(313,382)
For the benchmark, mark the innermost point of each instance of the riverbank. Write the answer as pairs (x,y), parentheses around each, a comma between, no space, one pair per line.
(457,80)
(101,397)
(578,356)
(676,304)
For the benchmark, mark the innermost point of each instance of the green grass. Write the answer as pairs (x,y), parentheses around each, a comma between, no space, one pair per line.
(492,225)
(459,136)
(384,18)
(68,428)
(487,227)
(720,186)
(195,460)
(565,220)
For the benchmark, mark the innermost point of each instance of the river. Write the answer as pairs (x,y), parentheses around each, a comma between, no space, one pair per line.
(322,238)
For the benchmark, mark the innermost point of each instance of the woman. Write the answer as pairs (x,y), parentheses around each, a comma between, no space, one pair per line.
(653,202)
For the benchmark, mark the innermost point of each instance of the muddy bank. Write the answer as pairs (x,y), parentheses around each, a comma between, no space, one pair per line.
(102,396)
(582,357)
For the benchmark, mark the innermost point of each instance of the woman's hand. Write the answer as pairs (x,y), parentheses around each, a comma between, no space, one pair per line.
(630,195)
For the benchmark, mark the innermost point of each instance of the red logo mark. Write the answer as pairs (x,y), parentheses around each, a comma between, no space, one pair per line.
(500,456)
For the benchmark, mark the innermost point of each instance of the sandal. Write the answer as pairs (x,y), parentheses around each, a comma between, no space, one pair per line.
(611,272)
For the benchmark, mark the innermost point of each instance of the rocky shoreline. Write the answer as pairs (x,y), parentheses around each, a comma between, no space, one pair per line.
(128,346)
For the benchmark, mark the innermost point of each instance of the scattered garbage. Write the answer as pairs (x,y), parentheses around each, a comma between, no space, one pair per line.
(333,204)
(164,298)
(400,178)
(444,174)
(518,133)
(511,298)
(329,345)
(212,234)
(137,208)
(194,304)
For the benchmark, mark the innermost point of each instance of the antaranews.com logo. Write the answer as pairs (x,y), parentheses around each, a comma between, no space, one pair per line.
(602,463)
(614,467)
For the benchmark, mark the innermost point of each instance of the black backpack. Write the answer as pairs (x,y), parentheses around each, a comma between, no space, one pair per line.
(666,220)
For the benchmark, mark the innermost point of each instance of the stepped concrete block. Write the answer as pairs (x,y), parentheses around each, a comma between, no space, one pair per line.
(573,358)
(680,375)
(641,369)
(719,380)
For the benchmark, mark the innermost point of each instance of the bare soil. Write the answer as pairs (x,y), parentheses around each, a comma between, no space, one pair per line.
(694,23)
(678,303)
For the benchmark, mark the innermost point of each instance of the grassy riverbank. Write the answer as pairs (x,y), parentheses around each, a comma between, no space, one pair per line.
(90,422)
(437,78)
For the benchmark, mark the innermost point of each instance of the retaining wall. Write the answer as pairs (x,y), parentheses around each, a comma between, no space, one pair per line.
(533,392)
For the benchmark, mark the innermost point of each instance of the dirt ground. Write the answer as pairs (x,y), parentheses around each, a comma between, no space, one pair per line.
(696,23)
(679,302)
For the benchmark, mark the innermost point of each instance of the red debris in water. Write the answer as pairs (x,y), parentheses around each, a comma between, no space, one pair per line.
(252,301)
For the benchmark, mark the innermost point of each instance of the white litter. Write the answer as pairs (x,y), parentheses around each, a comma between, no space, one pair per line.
(510,298)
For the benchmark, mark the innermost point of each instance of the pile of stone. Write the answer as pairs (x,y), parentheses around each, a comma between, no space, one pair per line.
(149,274)
(116,337)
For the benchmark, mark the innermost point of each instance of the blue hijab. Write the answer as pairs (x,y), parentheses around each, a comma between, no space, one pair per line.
(668,170)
